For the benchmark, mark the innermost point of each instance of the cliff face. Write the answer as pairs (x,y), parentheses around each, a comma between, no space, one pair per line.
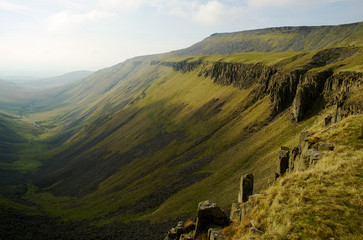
(344,90)
(299,88)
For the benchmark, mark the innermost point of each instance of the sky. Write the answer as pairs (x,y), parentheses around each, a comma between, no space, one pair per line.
(43,38)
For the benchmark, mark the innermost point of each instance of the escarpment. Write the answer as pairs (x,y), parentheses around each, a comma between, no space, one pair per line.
(305,88)
(339,91)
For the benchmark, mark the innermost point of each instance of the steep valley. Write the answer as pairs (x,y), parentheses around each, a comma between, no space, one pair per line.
(132,149)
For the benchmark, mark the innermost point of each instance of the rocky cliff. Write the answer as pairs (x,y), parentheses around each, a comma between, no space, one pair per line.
(304,88)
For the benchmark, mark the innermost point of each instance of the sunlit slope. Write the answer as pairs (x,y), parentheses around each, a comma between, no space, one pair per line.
(279,39)
(161,134)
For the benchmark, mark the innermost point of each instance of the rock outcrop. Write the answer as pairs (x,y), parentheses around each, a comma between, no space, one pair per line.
(239,209)
(308,91)
(181,231)
(284,158)
(246,187)
(301,89)
(210,215)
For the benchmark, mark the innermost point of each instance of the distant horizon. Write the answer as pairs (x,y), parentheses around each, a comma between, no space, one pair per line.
(29,78)
(47,39)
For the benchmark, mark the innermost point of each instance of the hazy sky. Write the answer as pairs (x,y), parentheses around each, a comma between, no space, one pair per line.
(51,37)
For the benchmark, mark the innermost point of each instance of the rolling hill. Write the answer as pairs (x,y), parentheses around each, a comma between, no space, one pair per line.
(135,147)
(58,80)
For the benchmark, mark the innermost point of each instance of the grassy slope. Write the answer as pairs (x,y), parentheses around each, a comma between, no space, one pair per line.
(151,100)
(279,40)
(323,202)
(175,101)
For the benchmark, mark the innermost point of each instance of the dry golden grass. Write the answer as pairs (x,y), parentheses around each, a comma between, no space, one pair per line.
(189,225)
(322,202)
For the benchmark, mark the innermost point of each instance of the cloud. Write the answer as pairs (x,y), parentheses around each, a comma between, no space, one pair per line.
(214,12)
(8,6)
(279,3)
(201,11)
(66,20)
(122,5)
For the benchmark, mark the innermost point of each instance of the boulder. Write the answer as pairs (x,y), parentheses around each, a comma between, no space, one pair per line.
(311,157)
(209,215)
(284,157)
(246,187)
(326,147)
(215,234)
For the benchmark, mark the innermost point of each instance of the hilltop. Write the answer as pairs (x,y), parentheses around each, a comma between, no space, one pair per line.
(279,39)
(138,145)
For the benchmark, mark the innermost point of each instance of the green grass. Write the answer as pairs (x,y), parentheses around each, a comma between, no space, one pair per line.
(161,100)
(322,202)
(6,204)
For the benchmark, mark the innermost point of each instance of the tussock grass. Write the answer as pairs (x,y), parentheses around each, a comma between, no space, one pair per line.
(323,202)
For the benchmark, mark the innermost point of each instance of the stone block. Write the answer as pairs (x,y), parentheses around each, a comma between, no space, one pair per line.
(209,215)
(245,188)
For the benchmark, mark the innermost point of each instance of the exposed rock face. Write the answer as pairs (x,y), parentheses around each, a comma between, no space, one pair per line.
(246,187)
(238,74)
(337,91)
(308,91)
(300,88)
(284,157)
(184,66)
(209,215)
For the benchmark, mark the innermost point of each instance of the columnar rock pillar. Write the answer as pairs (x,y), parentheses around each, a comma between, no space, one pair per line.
(284,157)
(245,188)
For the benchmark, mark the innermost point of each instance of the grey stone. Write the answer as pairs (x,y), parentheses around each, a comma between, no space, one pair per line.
(246,187)
(311,157)
(209,215)
(284,157)
(326,147)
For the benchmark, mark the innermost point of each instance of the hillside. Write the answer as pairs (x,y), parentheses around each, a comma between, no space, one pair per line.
(140,144)
(58,80)
(279,39)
